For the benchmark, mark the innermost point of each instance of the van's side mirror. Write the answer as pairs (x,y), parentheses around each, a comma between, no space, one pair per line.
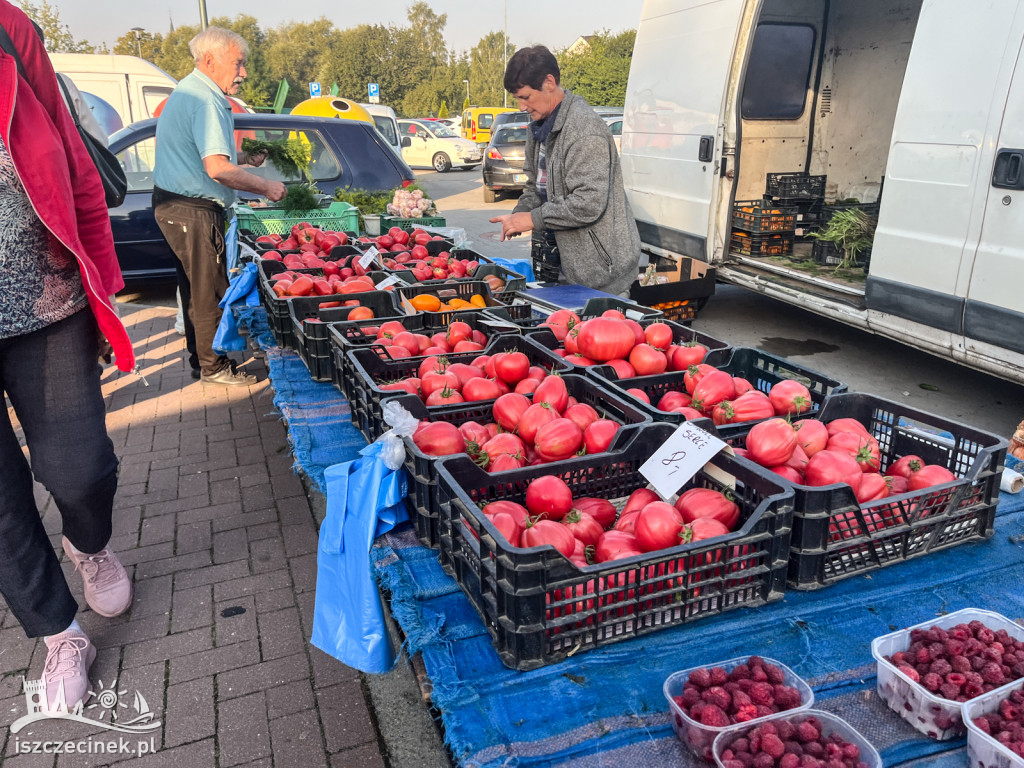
(406,142)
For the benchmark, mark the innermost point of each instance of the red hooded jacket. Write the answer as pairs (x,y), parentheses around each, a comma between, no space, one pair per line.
(57,173)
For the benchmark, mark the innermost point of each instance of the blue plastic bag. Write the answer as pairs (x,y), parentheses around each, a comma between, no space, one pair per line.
(231,244)
(521,266)
(364,501)
(241,288)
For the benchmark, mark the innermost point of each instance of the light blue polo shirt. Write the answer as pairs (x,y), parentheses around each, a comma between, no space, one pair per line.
(196,122)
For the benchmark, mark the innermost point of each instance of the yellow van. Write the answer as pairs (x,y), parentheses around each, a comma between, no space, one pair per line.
(477,122)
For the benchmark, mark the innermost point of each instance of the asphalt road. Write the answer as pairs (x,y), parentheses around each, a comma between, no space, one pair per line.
(867,363)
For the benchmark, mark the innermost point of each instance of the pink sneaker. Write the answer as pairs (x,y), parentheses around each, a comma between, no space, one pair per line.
(69,656)
(107,588)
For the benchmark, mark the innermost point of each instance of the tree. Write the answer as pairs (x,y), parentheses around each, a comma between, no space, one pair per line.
(257,90)
(600,72)
(487,69)
(57,34)
(175,58)
(300,53)
(149,43)
(465,104)
(442,111)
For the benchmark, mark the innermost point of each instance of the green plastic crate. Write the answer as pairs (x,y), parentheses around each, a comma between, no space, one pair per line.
(265,221)
(387,222)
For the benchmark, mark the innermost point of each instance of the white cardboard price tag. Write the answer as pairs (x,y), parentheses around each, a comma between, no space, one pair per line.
(367,258)
(679,458)
(387,282)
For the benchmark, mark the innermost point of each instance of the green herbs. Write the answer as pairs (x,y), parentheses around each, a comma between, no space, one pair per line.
(289,156)
(300,197)
(851,231)
(368,203)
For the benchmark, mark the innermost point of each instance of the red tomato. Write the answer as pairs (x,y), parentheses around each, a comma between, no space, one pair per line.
(639,499)
(535,417)
(548,496)
(396,352)
(479,389)
(541,533)
(872,488)
(516,511)
(467,346)
(430,363)
(509,409)
(444,397)
(626,521)
(713,388)
(552,391)
(439,438)
(811,435)
(682,356)
(390,329)
(830,467)
(562,320)
(673,399)
(458,331)
(788,473)
(464,372)
(905,466)
(505,462)
(929,475)
(707,502)
(405,385)
(639,394)
(474,432)
(694,374)
(558,440)
(771,442)
(623,370)
(703,528)
(647,361)
(658,335)
(605,338)
(897,484)
(846,425)
(583,527)
(615,545)
(302,286)
(657,526)
(864,450)
(571,340)
(601,510)
(582,415)
(752,406)
(512,367)
(527,386)
(598,436)
(790,397)
(507,527)
(435,380)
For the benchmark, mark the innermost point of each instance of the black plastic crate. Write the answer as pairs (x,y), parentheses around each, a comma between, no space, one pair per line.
(761,245)
(830,210)
(366,371)
(539,608)
(266,268)
(422,468)
(348,335)
(794,186)
(907,525)
(307,320)
(761,369)
(462,289)
(826,254)
(760,216)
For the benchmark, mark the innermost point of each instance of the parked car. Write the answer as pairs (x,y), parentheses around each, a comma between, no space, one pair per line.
(615,126)
(346,154)
(387,123)
(510,118)
(503,161)
(432,144)
(477,122)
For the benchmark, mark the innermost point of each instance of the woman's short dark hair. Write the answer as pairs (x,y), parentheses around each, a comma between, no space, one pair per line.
(529,67)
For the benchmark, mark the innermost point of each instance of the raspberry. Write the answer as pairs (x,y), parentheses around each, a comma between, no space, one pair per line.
(982,724)
(701,678)
(814,749)
(775,674)
(851,752)
(986,635)
(954,647)
(740,672)
(909,672)
(794,747)
(691,696)
(755,661)
(733,763)
(787,697)
(763,760)
(931,681)
(807,761)
(955,678)
(940,667)
(960,632)
(923,656)
(763,710)
(789,760)
(1009,710)
(785,730)
(758,675)
(741,699)
(993,673)
(898,658)
(773,745)
(714,716)
(696,709)
(949,691)
(806,732)
(973,647)
(936,634)
(717,696)
(745,684)
(960,664)
(762,693)
(719,676)
(973,689)
(732,686)
(978,663)
(768,728)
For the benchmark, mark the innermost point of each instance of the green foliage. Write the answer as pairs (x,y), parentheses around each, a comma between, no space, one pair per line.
(599,73)
(368,203)
(289,156)
(301,197)
(57,34)
(442,111)
(851,231)
(465,104)
(148,43)
(487,70)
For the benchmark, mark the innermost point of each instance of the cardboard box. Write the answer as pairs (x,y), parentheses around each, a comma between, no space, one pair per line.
(688,280)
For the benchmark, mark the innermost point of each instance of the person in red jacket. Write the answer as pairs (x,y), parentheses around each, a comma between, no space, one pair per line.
(57,315)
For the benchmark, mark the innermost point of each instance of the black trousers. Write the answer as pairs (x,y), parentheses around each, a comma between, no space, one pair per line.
(194,229)
(52,379)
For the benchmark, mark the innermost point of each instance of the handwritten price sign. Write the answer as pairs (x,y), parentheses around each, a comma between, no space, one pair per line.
(367,258)
(680,458)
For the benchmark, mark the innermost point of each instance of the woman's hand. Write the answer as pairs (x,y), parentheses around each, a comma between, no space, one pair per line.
(513,224)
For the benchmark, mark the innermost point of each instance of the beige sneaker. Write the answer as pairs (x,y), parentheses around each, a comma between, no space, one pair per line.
(108,590)
(68,658)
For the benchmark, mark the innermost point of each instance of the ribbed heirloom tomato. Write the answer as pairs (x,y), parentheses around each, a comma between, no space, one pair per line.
(606,338)
(558,440)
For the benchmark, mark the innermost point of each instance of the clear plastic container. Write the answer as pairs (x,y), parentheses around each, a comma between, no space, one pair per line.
(698,737)
(932,715)
(829,724)
(982,750)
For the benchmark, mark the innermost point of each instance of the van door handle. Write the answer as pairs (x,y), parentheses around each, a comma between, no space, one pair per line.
(706,151)
(1009,169)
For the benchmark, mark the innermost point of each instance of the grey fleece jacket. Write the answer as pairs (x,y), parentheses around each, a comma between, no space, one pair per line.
(587,208)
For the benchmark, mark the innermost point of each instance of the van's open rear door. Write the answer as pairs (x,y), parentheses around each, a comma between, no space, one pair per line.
(671,136)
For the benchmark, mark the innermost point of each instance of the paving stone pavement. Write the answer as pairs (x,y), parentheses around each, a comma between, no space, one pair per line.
(220,541)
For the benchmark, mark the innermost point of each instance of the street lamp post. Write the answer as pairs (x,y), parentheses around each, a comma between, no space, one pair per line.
(203,23)
(504,93)
(467,89)
(138,40)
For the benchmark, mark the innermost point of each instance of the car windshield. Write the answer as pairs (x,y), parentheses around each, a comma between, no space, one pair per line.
(511,134)
(442,131)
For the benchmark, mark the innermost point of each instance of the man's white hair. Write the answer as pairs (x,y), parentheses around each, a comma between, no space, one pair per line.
(216,41)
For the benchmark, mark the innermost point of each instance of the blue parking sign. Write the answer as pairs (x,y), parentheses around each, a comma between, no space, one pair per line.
(374,89)
(314,90)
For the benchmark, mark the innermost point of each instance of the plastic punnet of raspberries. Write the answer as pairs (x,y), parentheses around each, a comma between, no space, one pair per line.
(962,662)
(766,746)
(1006,723)
(749,691)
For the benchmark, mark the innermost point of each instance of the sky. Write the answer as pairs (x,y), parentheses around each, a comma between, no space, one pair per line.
(555,23)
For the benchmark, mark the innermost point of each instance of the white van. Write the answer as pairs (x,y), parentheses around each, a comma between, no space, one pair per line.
(387,123)
(132,86)
(927,95)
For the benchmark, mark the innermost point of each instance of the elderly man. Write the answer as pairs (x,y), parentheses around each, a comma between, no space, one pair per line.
(195,178)
(574,194)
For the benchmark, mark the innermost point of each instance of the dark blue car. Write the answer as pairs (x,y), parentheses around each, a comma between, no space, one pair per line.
(346,154)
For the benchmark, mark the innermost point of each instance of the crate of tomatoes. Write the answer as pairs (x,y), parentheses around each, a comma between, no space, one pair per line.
(567,557)
(544,419)
(877,482)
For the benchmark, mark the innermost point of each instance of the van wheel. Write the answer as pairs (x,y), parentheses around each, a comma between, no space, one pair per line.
(490,195)
(442,163)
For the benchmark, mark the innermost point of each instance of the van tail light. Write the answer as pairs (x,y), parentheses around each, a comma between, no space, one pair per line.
(407,182)
(472,129)
(494,154)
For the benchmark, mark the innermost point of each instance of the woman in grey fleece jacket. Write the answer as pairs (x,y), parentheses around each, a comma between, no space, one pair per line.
(581,198)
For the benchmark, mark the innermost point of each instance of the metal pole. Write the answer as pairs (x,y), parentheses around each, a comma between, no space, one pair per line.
(504,93)
(203,23)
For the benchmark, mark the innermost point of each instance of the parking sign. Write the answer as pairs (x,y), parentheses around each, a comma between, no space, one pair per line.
(314,90)
(373,91)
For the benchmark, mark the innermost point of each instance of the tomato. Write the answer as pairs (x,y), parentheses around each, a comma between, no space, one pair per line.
(638,331)
(657,526)
(601,510)
(444,397)
(558,440)
(458,331)
(533,418)
(929,475)
(897,484)
(626,521)
(639,499)
(789,397)
(435,380)
(540,533)
(390,329)
(408,341)
(517,512)
(694,374)
(561,321)
(509,409)
(582,526)
(623,370)
(872,488)
(505,462)
(463,372)
(830,467)
(751,406)
(512,367)
(788,473)
(811,435)
(599,434)
(474,432)
(527,386)
(702,528)
(405,385)
(552,391)
(658,335)
(742,385)
(440,341)
(864,449)
(507,527)
(682,356)
(605,338)
(467,346)
(549,496)
(707,502)
(481,388)
(673,399)
(905,466)
(771,442)
(647,361)
(798,460)
(846,425)
(431,363)
(301,286)
(615,545)
(582,415)
(503,442)
(439,438)
(713,388)
(639,394)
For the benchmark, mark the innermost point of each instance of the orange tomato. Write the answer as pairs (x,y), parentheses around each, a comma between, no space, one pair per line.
(425,302)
